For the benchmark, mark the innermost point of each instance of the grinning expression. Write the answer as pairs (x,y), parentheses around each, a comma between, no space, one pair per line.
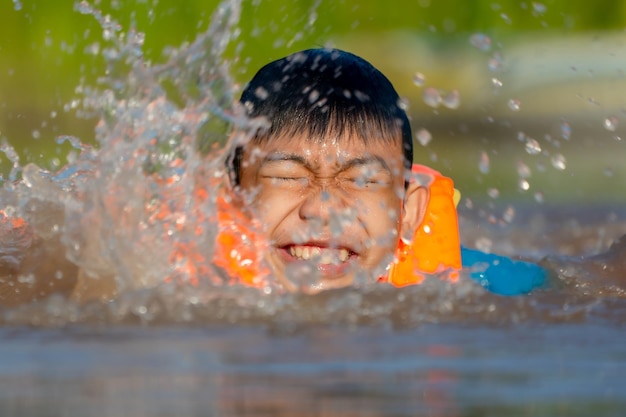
(331,209)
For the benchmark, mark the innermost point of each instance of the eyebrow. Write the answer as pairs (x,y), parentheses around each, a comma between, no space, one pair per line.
(350,163)
(282,156)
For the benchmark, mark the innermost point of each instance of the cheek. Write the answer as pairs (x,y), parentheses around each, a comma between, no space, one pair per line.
(382,217)
(273,207)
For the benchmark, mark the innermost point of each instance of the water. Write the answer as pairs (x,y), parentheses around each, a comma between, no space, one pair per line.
(443,370)
(179,339)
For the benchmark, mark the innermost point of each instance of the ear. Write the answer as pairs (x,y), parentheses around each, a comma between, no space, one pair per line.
(413,210)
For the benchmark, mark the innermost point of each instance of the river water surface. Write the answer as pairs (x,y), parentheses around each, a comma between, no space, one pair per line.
(168,345)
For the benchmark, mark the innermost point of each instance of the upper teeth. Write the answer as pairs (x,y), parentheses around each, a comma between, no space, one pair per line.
(322,255)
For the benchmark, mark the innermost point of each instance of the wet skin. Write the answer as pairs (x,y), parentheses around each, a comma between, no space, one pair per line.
(332,208)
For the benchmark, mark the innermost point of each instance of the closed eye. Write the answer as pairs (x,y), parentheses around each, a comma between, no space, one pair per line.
(282,180)
(364,182)
(284,172)
(366,174)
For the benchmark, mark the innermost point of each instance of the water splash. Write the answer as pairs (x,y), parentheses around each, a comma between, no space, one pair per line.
(423,136)
(452,100)
(435,97)
(566,131)
(12,156)
(496,82)
(539,8)
(515,104)
(481,42)
(611,123)
(493,192)
(532,146)
(483,163)
(141,209)
(419,79)
(559,162)
(496,62)
(129,209)
(432,97)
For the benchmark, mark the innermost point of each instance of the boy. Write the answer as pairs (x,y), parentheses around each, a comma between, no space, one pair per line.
(329,177)
(331,180)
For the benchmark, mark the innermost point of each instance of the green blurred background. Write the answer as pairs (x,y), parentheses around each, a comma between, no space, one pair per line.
(550,67)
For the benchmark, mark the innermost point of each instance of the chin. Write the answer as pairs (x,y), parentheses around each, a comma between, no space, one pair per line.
(310,280)
(324,284)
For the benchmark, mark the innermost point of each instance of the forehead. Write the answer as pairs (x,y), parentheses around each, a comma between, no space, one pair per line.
(331,147)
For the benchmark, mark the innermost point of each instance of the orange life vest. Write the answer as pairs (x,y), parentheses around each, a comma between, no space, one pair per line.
(435,247)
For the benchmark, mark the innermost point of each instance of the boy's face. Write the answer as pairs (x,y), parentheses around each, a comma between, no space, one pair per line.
(331,209)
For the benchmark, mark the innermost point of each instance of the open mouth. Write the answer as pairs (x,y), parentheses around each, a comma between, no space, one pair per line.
(329,260)
(324,256)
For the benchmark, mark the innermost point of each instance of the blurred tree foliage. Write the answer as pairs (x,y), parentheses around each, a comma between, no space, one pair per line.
(47,48)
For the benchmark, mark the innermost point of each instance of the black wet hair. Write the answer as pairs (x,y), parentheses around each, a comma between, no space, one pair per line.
(317,92)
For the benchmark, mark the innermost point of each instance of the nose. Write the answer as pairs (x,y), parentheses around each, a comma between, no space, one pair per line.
(321,204)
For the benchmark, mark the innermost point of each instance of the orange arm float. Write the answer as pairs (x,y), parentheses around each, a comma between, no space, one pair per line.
(436,245)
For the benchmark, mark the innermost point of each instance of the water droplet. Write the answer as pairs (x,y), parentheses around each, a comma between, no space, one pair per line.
(403,103)
(139,38)
(608,172)
(313,96)
(532,146)
(539,197)
(452,100)
(12,156)
(483,163)
(493,193)
(140,310)
(432,97)
(17,5)
(539,8)
(514,104)
(93,49)
(522,170)
(495,62)
(496,82)
(617,138)
(506,18)
(509,214)
(36,134)
(261,93)
(423,136)
(362,97)
(481,41)
(610,123)
(419,79)
(28,279)
(566,130)
(484,244)
(559,162)
(524,185)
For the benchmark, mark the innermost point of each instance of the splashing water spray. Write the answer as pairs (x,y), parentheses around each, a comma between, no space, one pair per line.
(142,209)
